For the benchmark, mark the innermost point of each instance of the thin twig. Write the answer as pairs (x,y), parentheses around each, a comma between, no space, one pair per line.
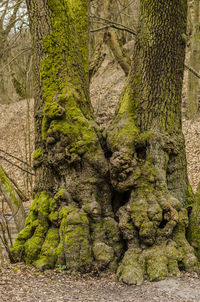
(5,152)
(113,26)
(115,23)
(16,165)
(193,71)
(19,54)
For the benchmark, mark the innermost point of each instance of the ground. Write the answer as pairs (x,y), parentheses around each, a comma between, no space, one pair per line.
(21,283)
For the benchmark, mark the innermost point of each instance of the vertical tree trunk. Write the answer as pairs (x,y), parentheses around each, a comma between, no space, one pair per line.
(193,82)
(148,165)
(71,221)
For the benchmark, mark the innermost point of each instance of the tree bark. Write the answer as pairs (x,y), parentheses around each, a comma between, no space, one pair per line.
(148,164)
(193,82)
(71,221)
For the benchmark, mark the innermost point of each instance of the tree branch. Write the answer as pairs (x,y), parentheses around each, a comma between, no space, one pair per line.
(115,24)
(192,70)
(1,157)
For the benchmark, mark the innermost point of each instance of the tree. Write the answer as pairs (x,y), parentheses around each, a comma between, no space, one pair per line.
(12,20)
(193,82)
(100,196)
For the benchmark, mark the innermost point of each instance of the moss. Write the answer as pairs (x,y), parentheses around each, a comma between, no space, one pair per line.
(190,197)
(103,253)
(132,268)
(41,204)
(28,243)
(33,245)
(74,231)
(17,251)
(19,88)
(48,254)
(64,71)
(194,221)
(156,262)
(38,154)
(126,130)
(59,194)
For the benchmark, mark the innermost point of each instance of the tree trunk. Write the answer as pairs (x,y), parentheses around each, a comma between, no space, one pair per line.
(148,164)
(71,221)
(193,82)
(91,192)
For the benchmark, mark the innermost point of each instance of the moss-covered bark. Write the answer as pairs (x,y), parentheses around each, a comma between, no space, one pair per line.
(148,165)
(71,221)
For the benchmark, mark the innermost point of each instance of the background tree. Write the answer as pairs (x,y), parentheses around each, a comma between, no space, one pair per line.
(193,82)
(15,52)
(103,196)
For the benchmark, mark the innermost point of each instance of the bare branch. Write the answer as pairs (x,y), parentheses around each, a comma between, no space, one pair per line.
(19,54)
(193,71)
(1,157)
(16,158)
(112,24)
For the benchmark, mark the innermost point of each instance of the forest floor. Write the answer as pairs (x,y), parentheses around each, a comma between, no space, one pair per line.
(21,283)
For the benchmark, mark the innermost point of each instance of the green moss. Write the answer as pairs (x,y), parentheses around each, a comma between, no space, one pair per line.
(19,88)
(103,253)
(194,222)
(190,197)
(38,154)
(30,239)
(33,245)
(156,262)
(60,253)
(41,204)
(74,231)
(64,70)
(132,268)
(17,251)
(59,193)
(48,255)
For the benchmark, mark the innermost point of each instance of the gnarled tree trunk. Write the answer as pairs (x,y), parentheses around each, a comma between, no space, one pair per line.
(148,165)
(71,221)
(98,198)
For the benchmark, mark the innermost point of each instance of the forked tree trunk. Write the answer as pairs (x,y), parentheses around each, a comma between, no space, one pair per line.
(78,217)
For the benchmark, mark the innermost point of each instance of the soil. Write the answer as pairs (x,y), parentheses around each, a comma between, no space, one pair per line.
(22,283)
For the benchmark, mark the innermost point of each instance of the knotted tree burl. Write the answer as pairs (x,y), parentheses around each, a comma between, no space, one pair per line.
(114,199)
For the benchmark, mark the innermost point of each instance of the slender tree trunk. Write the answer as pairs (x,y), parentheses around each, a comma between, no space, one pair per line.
(193,82)
(148,164)
(13,200)
(71,221)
